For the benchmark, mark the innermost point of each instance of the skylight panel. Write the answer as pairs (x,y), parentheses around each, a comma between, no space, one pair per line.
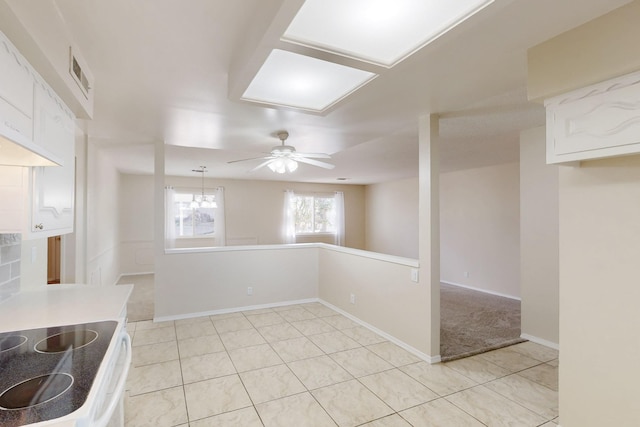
(381,32)
(300,81)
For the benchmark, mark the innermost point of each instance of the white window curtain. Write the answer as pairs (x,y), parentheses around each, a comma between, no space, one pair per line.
(289,222)
(169,218)
(218,218)
(339,206)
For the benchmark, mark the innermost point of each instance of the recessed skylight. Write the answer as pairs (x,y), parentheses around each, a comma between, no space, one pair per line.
(299,81)
(382,32)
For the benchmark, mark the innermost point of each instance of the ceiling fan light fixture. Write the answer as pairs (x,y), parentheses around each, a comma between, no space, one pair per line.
(292,165)
(284,158)
(283,165)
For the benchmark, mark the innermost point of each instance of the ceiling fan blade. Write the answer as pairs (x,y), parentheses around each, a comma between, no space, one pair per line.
(312,155)
(263,164)
(245,160)
(315,163)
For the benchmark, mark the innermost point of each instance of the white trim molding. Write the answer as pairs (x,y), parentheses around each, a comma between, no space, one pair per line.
(541,341)
(486,291)
(121,275)
(359,252)
(410,349)
(232,310)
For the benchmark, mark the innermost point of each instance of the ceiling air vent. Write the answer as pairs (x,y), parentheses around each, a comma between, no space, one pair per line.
(78,75)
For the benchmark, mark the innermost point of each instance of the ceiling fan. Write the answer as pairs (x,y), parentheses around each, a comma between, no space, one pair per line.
(284,158)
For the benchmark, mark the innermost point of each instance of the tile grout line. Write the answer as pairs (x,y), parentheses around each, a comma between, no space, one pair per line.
(270,345)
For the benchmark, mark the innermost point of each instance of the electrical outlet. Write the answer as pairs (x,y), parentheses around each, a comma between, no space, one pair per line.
(352,299)
(466,274)
(250,290)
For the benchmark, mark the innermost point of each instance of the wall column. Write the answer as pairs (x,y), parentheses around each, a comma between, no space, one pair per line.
(429,225)
(158,225)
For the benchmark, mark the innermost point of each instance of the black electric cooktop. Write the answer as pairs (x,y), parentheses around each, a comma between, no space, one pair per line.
(47,373)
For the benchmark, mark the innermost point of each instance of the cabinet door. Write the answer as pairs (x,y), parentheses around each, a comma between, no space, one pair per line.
(602,120)
(53,190)
(16,78)
(53,199)
(52,129)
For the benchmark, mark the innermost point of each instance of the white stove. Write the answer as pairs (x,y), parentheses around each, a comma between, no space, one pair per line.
(71,374)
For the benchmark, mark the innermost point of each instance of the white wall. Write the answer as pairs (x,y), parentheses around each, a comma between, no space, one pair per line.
(599,205)
(385,296)
(14,186)
(103,183)
(539,246)
(480,228)
(599,50)
(392,218)
(33,264)
(192,283)
(136,223)
(253,211)
(599,293)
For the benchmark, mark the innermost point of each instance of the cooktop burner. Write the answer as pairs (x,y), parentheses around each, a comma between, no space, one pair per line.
(47,373)
(35,391)
(11,341)
(66,340)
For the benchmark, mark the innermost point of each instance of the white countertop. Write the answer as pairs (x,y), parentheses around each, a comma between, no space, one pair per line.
(63,305)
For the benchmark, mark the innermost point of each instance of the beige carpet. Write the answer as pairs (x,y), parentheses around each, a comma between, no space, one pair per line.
(473,322)
(140,305)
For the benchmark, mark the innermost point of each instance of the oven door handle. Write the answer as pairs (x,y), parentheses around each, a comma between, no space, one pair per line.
(119,389)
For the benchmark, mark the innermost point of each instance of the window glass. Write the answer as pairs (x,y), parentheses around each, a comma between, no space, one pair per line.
(314,214)
(193,221)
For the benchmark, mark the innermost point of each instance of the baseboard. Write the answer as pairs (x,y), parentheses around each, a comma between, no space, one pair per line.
(427,358)
(402,344)
(541,341)
(232,310)
(481,290)
(131,274)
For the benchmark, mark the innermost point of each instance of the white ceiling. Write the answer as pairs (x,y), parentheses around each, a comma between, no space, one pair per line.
(169,70)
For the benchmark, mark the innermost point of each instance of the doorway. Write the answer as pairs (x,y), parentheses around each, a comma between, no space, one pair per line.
(53,260)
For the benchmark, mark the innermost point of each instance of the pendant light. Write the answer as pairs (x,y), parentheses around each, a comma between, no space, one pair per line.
(204,200)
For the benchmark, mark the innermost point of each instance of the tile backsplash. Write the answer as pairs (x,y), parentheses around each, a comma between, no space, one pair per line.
(10,252)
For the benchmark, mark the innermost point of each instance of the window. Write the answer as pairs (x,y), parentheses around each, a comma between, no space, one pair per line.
(318,215)
(186,218)
(314,214)
(192,220)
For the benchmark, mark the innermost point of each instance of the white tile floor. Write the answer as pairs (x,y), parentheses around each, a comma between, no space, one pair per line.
(306,365)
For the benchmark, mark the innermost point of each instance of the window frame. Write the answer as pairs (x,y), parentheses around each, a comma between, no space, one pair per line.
(198,194)
(315,196)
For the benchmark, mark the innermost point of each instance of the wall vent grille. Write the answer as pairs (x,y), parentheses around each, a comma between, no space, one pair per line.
(75,69)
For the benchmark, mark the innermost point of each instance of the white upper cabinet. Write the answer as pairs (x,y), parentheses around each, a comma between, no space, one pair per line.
(16,90)
(594,122)
(52,122)
(28,106)
(53,187)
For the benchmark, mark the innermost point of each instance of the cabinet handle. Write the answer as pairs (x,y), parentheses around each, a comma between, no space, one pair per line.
(39,226)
